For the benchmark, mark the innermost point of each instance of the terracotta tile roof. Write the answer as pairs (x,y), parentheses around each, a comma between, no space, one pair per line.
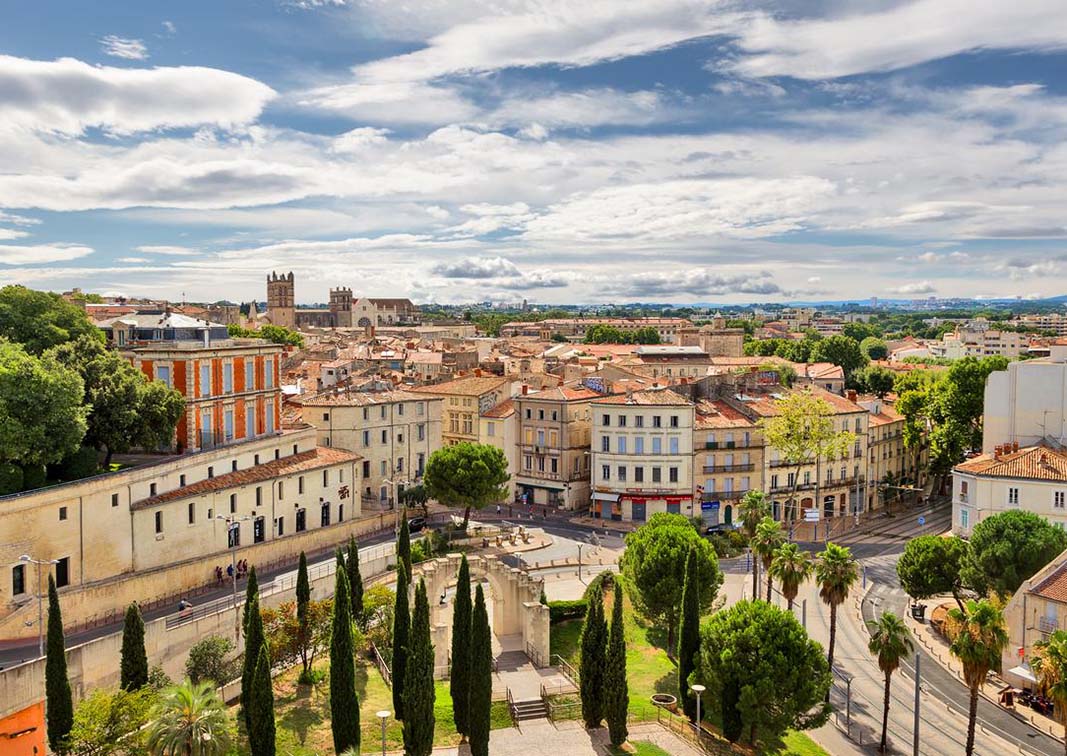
(718,414)
(473,386)
(1053,587)
(648,397)
(565,394)
(314,459)
(1032,462)
(359,398)
(505,409)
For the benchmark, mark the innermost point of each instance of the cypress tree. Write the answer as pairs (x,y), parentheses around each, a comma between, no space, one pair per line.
(401,631)
(593,660)
(261,708)
(689,633)
(303,629)
(251,592)
(616,693)
(344,703)
(403,546)
(459,683)
(133,667)
(254,642)
(481,677)
(355,582)
(419,692)
(59,704)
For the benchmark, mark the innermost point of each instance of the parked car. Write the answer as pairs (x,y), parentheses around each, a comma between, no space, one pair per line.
(721,529)
(415,524)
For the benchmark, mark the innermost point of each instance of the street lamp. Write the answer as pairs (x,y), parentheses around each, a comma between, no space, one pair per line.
(382,716)
(699,690)
(394,502)
(580,545)
(230,522)
(40,598)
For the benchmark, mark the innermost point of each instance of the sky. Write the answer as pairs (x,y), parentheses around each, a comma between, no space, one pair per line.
(562,151)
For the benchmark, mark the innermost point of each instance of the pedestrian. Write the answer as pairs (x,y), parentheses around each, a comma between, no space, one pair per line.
(498,509)
(218,575)
(229,571)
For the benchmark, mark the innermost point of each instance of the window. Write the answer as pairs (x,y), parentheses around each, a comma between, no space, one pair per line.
(250,423)
(151,489)
(1058,499)
(490,429)
(622,472)
(965,517)
(233,503)
(163,375)
(159,522)
(639,445)
(674,421)
(301,520)
(63,572)
(622,421)
(657,445)
(227,377)
(420,432)
(385,436)
(192,512)
(325,479)
(366,469)
(639,475)
(233,466)
(1013,496)
(400,409)
(62,513)
(114,500)
(211,472)
(205,379)
(281,490)
(963,490)
(605,472)
(259,496)
(281,526)
(366,438)
(605,420)
(250,375)
(270,421)
(540,414)
(555,415)
(672,474)
(419,408)
(384,467)
(605,444)
(527,462)
(268,373)
(18,579)
(258,530)
(621,443)
(325,417)
(324,516)
(673,444)
(657,421)
(639,421)
(656,475)
(529,413)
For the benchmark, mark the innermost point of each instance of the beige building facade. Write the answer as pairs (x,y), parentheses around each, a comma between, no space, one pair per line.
(500,428)
(465,399)
(727,460)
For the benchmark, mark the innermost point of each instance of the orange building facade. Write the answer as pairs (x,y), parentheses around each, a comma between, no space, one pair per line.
(23,732)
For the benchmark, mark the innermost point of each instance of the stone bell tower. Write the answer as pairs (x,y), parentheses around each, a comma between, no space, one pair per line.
(281,300)
(341,307)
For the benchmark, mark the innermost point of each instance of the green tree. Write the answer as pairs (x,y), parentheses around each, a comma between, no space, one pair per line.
(414,496)
(835,573)
(593,660)
(605,334)
(860,331)
(1050,666)
(753,508)
(616,692)
(401,638)
(645,335)
(59,707)
(1008,549)
(689,633)
(419,692)
(768,539)
(355,583)
(208,661)
(459,683)
(189,719)
(108,722)
(931,564)
(42,419)
(40,320)
(251,592)
(261,732)
(769,674)
(654,564)
(133,667)
(481,676)
(467,475)
(801,432)
(874,379)
(254,641)
(874,348)
(791,566)
(978,637)
(890,642)
(403,545)
(378,604)
(344,703)
(842,351)
(303,599)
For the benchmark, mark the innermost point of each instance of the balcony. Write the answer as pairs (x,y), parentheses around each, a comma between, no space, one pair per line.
(723,495)
(730,445)
(746,467)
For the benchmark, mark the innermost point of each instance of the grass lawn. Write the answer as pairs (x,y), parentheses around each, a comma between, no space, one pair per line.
(642,748)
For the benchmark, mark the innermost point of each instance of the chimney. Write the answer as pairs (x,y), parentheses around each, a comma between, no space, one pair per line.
(1015,446)
(997,451)
(851,395)
(207,338)
(525,389)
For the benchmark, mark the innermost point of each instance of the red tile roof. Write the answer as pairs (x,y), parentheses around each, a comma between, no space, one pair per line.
(505,409)
(718,414)
(649,397)
(1054,587)
(1032,462)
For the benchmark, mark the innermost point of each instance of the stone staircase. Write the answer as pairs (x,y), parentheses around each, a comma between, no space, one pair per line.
(534,708)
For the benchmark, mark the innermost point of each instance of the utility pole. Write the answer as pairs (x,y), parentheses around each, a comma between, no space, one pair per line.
(915,734)
(26,558)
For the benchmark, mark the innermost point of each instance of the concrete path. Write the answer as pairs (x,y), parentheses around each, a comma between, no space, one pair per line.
(542,738)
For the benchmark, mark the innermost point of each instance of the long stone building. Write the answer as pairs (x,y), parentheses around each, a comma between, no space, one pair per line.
(345,310)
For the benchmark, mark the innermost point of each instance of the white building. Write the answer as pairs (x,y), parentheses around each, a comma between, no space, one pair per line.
(1027,402)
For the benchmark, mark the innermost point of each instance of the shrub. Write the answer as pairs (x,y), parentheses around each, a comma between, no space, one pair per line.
(207,661)
(81,464)
(602,582)
(10,478)
(558,611)
(33,476)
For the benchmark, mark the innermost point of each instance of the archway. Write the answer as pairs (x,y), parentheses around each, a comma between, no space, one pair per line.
(728,514)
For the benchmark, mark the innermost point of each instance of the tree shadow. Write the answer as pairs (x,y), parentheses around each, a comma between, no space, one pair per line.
(299,720)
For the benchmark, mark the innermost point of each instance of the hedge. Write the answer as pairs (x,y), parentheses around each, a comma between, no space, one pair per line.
(558,611)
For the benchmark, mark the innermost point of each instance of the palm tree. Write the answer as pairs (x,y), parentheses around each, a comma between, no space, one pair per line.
(1050,664)
(753,508)
(189,720)
(978,636)
(890,642)
(768,538)
(791,566)
(836,573)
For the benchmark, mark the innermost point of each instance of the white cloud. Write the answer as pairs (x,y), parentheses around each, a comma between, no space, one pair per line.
(587,108)
(918,287)
(18,220)
(41,253)
(163,249)
(120,47)
(132,260)
(11,233)
(476,267)
(392,102)
(169,27)
(699,283)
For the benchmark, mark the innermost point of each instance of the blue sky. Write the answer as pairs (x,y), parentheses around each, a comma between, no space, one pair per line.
(452,150)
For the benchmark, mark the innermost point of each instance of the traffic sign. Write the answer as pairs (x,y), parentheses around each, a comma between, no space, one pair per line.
(922,521)
(811,515)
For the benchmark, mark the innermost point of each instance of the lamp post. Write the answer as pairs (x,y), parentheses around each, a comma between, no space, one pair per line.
(40,598)
(699,690)
(396,510)
(230,522)
(580,561)
(382,717)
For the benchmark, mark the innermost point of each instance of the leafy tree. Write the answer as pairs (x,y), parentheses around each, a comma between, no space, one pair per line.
(189,719)
(766,669)
(654,563)
(419,692)
(42,419)
(208,661)
(593,660)
(645,335)
(261,732)
(108,722)
(835,573)
(616,693)
(355,583)
(874,348)
(281,628)
(605,334)
(414,496)
(931,565)
(401,638)
(978,636)
(303,599)
(481,676)
(803,431)
(860,331)
(459,683)
(254,641)
(768,539)
(251,592)
(344,703)
(467,475)
(39,320)
(842,351)
(59,707)
(378,603)
(1050,665)
(133,666)
(791,566)
(890,642)
(272,333)
(403,546)
(753,508)
(689,633)
(1008,549)
(874,379)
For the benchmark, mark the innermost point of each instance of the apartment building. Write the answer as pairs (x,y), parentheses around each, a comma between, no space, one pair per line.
(465,399)
(980,343)
(554,433)
(642,455)
(888,462)
(1054,322)
(671,362)
(1027,403)
(394,432)
(727,459)
(576,328)
(500,428)
(715,338)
